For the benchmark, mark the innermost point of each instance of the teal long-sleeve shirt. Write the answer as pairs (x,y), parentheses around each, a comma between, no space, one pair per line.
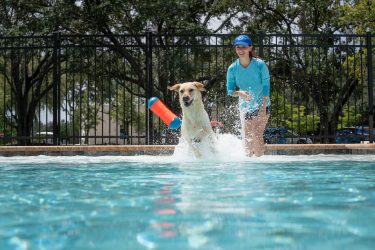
(255,79)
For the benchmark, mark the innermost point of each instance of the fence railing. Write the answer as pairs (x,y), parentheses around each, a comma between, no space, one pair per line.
(93,89)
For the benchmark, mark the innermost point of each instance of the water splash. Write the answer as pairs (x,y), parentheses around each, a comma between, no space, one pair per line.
(229,147)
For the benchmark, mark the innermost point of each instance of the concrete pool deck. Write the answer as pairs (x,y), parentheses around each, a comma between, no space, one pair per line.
(91,150)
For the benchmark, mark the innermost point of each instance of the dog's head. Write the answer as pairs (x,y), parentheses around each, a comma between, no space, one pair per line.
(189,92)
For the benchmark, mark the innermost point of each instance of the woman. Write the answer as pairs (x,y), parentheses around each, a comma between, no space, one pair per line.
(250,75)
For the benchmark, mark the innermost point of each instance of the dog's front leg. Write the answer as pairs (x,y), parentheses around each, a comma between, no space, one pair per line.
(193,145)
(213,143)
(199,135)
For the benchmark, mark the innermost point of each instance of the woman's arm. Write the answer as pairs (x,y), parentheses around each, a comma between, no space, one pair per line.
(231,81)
(243,94)
(265,76)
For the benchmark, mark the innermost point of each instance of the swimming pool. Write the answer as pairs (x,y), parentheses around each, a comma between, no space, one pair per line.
(153,202)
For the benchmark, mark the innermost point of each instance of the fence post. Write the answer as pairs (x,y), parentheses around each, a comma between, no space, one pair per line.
(149,86)
(56,86)
(261,45)
(370,87)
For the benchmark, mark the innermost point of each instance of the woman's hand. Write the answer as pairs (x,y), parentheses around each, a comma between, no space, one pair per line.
(242,94)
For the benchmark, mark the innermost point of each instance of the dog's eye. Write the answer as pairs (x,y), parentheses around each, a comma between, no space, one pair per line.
(181,91)
(191,90)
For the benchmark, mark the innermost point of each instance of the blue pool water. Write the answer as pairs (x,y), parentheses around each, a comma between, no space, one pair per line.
(151,202)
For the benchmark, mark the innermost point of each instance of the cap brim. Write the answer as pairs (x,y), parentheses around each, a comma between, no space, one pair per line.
(241,43)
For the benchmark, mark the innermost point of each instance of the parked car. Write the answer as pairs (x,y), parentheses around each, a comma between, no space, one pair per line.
(43,138)
(355,134)
(284,136)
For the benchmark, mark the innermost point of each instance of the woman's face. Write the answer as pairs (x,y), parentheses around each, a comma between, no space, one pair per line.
(243,51)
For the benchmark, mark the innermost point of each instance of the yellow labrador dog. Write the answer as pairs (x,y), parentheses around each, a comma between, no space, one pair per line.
(196,129)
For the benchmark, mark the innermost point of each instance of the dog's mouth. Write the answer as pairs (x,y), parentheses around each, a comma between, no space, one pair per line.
(187,103)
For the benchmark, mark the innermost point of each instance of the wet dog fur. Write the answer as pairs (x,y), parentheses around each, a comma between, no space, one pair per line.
(196,129)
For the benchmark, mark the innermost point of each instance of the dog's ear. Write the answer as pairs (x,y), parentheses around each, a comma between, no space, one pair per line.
(175,87)
(199,86)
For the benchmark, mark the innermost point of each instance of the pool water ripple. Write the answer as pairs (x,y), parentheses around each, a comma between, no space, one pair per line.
(272,202)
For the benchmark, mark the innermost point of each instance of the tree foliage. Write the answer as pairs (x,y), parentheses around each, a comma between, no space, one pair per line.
(357,16)
(169,21)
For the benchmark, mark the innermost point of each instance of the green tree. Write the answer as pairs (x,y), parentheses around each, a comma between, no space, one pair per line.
(28,71)
(29,83)
(357,16)
(109,17)
(294,117)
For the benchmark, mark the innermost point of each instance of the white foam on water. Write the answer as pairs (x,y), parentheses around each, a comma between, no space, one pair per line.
(229,147)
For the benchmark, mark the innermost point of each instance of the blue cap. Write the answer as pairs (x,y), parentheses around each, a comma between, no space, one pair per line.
(242,40)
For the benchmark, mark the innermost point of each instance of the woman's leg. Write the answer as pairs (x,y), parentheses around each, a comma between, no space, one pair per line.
(250,131)
(254,129)
(261,122)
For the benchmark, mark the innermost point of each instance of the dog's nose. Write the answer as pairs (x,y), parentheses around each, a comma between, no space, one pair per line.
(185,98)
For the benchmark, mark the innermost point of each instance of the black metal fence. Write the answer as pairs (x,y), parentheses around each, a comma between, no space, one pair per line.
(93,89)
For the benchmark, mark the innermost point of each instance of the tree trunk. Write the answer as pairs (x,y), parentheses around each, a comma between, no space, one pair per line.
(324,131)
(24,115)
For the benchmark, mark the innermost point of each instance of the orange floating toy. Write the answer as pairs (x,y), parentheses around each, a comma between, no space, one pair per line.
(159,108)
